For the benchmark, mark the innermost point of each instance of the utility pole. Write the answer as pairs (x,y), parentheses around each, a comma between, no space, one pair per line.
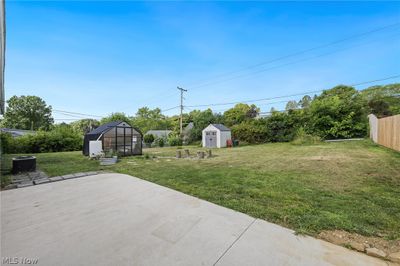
(182,90)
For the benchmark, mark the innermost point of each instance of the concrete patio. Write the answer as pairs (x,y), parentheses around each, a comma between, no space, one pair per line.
(115,219)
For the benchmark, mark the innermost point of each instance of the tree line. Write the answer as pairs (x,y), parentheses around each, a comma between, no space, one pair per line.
(340,112)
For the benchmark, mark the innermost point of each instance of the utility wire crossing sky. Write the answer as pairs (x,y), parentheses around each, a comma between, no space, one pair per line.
(88,59)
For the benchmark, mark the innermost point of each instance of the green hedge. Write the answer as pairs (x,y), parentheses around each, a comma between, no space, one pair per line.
(42,141)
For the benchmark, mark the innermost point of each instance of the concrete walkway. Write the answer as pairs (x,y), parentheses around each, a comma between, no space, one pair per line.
(114,219)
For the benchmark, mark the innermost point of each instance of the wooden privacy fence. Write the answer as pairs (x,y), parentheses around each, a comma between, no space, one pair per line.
(385,131)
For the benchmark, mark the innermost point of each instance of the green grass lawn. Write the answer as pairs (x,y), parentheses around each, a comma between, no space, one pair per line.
(353,186)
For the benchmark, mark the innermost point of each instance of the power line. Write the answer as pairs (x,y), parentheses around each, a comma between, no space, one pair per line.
(66,119)
(291,95)
(282,65)
(75,113)
(71,115)
(301,52)
(164,110)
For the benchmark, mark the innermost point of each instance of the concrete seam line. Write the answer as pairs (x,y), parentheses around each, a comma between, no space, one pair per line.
(233,243)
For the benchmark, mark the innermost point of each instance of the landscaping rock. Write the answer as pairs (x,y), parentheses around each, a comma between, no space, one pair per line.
(55,178)
(178,154)
(41,181)
(395,257)
(375,252)
(367,245)
(108,161)
(357,246)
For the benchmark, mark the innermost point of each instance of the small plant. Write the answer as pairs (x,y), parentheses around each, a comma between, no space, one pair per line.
(109,153)
(160,142)
(302,137)
(148,139)
(174,140)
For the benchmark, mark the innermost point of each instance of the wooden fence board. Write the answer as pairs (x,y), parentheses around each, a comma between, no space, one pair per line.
(389,132)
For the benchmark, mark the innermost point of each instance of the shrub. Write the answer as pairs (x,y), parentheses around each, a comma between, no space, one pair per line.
(159,142)
(254,131)
(303,138)
(148,139)
(60,139)
(174,140)
(5,142)
(281,127)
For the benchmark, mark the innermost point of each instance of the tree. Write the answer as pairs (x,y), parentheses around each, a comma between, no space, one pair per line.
(147,119)
(251,131)
(115,117)
(200,120)
(291,105)
(148,138)
(28,112)
(338,113)
(305,101)
(379,107)
(239,113)
(382,100)
(85,125)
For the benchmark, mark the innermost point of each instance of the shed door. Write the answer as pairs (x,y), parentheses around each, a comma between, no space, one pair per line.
(211,139)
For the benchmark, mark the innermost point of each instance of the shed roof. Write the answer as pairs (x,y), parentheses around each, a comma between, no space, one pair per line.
(221,127)
(105,127)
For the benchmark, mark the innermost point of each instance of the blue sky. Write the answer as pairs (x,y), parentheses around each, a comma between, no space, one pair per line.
(102,57)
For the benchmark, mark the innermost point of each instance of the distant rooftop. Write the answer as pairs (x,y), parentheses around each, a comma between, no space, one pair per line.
(221,127)
(159,132)
(17,132)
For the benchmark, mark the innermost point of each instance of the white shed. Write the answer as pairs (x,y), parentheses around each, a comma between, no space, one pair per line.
(215,136)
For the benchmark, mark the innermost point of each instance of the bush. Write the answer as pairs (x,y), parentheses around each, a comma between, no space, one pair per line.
(60,139)
(254,131)
(148,139)
(303,138)
(281,127)
(159,142)
(174,140)
(5,142)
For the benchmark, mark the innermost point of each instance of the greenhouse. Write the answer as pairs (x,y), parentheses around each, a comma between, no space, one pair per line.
(116,136)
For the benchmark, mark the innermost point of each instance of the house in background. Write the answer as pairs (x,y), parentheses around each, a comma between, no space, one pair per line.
(15,133)
(117,136)
(216,136)
(162,133)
